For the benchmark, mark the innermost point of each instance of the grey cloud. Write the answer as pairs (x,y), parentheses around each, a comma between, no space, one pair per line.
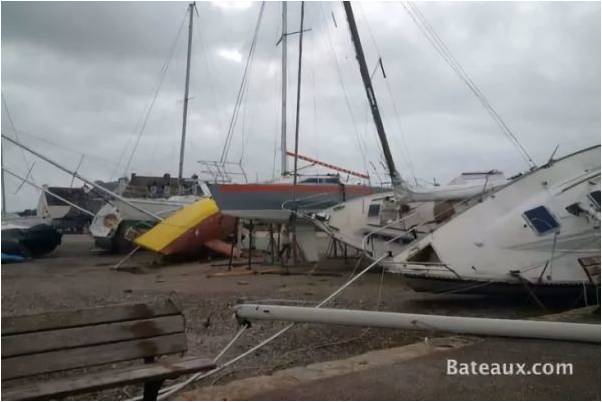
(81,75)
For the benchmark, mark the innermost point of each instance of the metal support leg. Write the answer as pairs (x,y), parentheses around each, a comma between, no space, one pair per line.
(151,390)
(250,242)
(273,257)
(530,292)
(234,241)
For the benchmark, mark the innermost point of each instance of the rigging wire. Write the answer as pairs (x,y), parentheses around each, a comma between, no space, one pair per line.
(316,136)
(360,140)
(405,150)
(242,88)
(245,112)
(431,35)
(211,75)
(170,390)
(162,75)
(14,129)
(276,104)
(100,160)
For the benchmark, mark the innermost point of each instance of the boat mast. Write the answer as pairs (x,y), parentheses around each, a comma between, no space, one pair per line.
(185,111)
(283,150)
(47,191)
(80,177)
(3,189)
(359,52)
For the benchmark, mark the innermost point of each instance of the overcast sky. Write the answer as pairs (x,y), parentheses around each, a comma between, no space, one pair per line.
(78,78)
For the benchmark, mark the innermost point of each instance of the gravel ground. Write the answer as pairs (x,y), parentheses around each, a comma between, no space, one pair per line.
(74,277)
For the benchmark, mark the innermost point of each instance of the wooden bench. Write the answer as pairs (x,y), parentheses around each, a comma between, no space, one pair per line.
(59,341)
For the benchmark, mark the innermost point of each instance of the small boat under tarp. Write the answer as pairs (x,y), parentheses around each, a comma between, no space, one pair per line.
(29,237)
(12,258)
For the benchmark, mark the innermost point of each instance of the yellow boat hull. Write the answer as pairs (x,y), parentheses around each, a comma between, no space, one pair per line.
(186,230)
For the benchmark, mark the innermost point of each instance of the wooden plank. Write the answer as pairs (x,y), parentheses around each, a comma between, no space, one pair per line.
(26,365)
(44,341)
(99,315)
(105,379)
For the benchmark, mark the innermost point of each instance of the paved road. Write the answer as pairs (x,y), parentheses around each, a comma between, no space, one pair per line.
(424,378)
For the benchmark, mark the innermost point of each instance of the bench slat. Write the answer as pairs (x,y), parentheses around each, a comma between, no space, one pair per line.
(67,319)
(43,341)
(96,381)
(27,365)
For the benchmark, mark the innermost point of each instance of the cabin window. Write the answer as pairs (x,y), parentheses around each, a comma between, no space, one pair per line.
(310,180)
(575,209)
(595,197)
(373,210)
(541,220)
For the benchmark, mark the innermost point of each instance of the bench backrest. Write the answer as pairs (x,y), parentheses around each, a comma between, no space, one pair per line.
(57,341)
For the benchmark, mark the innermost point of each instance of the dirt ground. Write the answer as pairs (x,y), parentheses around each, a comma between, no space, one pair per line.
(74,277)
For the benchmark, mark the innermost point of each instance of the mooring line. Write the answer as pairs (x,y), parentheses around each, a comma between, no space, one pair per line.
(166,392)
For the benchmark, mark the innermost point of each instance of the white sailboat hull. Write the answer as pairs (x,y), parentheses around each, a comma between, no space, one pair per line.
(105,225)
(494,242)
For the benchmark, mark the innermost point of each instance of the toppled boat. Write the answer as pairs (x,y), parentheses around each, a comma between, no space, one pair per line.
(65,217)
(187,230)
(535,232)
(117,223)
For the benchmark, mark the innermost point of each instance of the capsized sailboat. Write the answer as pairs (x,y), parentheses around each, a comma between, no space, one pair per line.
(536,232)
(187,230)
(117,222)
(379,223)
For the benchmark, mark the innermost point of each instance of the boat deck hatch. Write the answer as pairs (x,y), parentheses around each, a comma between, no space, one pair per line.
(373,210)
(541,220)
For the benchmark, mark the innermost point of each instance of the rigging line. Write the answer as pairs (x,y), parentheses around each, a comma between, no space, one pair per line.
(440,46)
(245,110)
(241,108)
(245,113)
(12,126)
(241,89)
(65,148)
(164,393)
(360,140)
(242,95)
(401,131)
(162,75)
(212,76)
(405,150)
(313,94)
